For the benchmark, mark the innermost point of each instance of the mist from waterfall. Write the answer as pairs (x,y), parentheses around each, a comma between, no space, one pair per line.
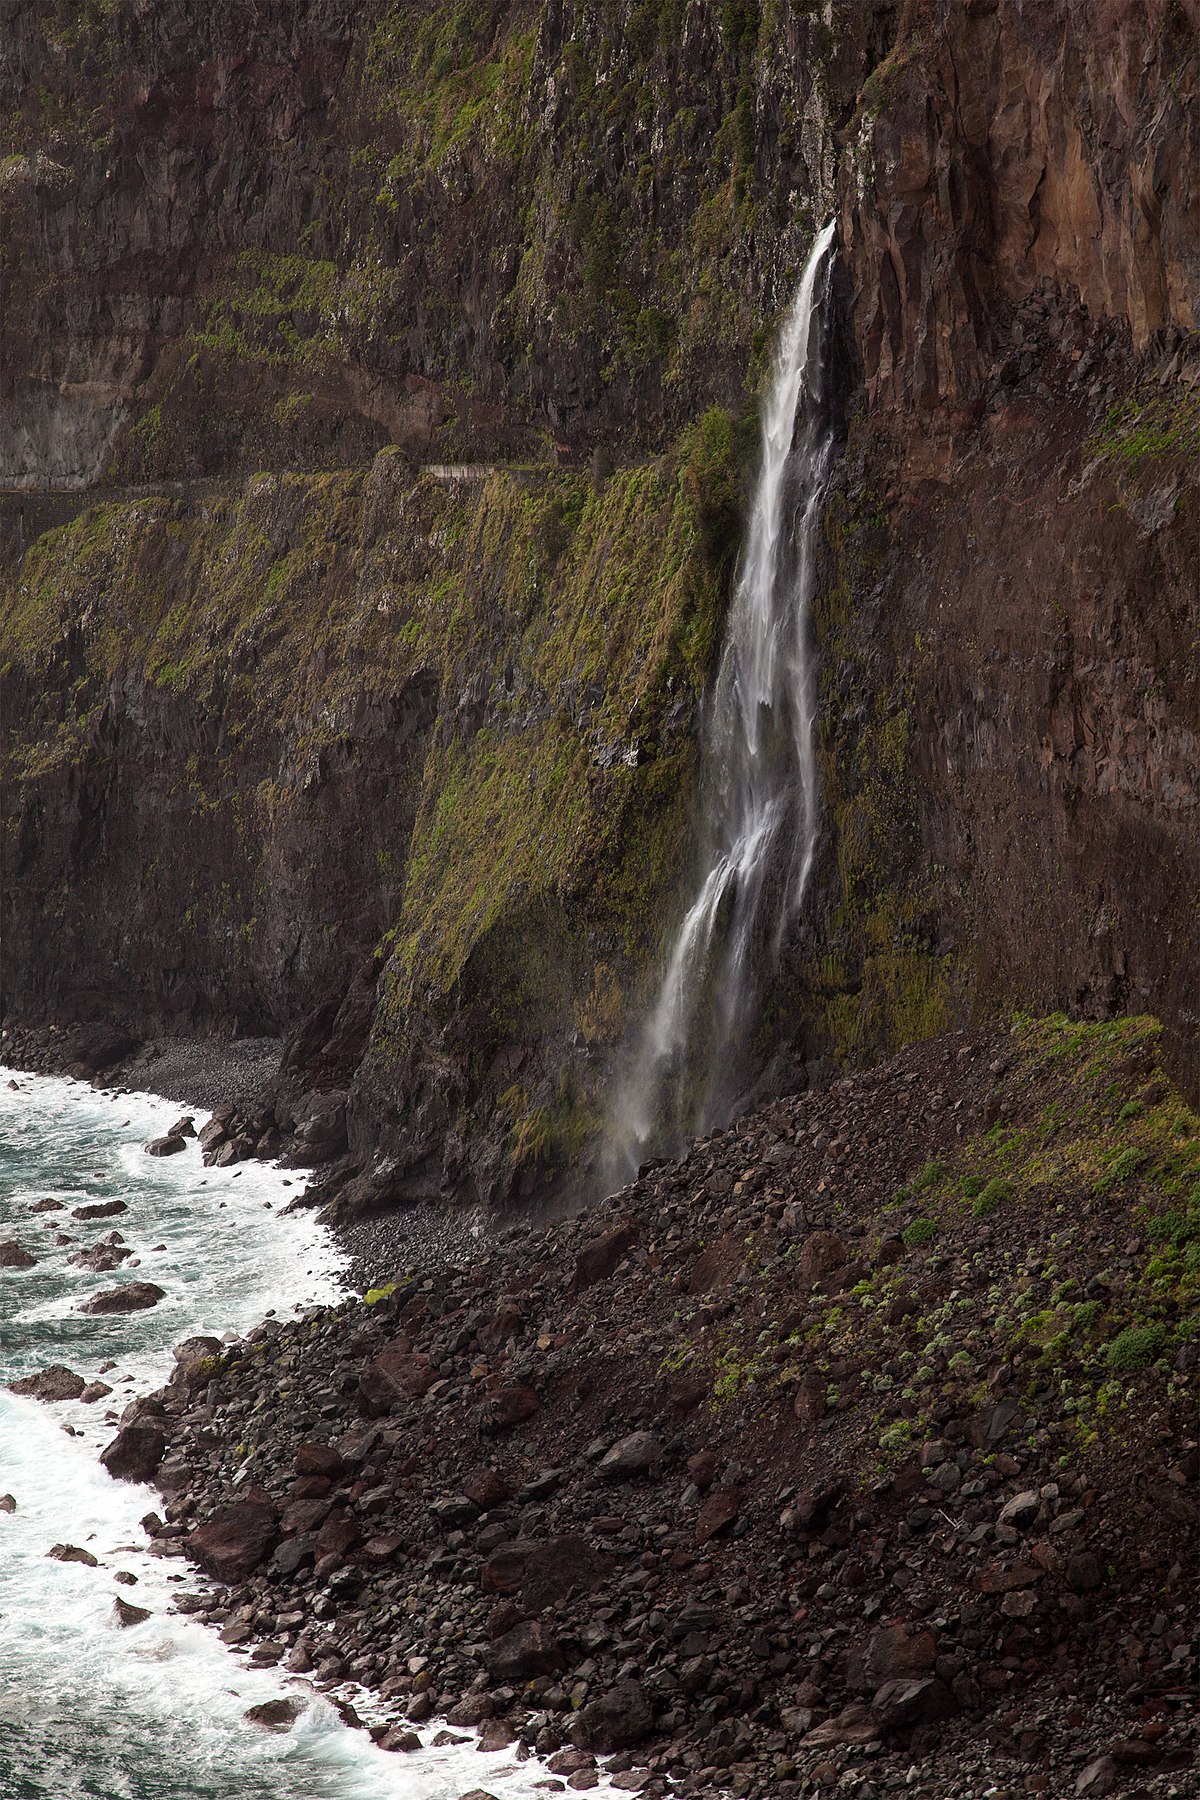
(759,786)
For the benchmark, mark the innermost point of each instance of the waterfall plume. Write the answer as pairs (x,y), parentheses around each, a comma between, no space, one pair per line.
(759,783)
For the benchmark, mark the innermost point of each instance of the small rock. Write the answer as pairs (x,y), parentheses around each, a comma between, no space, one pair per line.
(13,1256)
(719,1510)
(127,1614)
(638,1454)
(275,1715)
(1022,1510)
(165,1146)
(68,1553)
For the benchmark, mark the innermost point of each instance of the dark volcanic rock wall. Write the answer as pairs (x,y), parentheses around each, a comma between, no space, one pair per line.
(1012,620)
(385,760)
(257,235)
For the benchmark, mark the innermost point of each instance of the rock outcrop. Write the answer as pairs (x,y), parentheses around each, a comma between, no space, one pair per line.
(414,752)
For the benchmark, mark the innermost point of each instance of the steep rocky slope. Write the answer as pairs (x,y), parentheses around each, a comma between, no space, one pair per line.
(855,1449)
(401,766)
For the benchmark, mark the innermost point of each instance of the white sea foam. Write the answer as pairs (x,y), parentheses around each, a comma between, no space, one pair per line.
(152,1712)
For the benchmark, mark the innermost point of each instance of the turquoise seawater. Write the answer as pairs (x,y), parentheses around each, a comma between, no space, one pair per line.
(154,1712)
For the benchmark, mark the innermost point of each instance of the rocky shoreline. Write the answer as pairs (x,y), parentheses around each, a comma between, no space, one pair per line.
(856,1449)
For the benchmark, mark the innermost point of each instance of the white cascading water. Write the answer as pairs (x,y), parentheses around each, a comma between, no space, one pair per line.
(759,778)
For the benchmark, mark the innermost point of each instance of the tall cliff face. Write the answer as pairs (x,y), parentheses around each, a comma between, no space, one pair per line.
(402,765)
(245,235)
(1018,524)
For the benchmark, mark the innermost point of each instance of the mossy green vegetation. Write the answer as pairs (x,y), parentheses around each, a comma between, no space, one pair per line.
(1078,1296)
(882,983)
(557,637)
(1147,428)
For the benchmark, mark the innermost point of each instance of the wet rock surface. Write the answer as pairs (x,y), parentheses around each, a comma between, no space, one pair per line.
(590,1518)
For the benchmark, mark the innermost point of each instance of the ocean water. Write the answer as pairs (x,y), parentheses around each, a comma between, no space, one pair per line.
(154,1712)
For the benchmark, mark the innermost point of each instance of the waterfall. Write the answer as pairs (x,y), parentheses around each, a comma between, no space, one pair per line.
(759,772)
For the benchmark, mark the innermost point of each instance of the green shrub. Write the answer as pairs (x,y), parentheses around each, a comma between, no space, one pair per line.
(929,1177)
(1132,1109)
(920,1231)
(1136,1348)
(1127,1163)
(1175,1227)
(1086,1314)
(992,1196)
(972,1185)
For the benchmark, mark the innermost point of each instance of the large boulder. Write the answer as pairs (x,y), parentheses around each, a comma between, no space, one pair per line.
(317,1459)
(599,1257)
(95,1046)
(896,1652)
(717,1264)
(100,1209)
(911,1701)
(507,1407)
(196,1361)
(320,1120)
(399,1373)
(136,1296)
(135,1452)
(15,1256)
(54,1383)
(616,1720)
(543,1573)
(236,1540)
(527,1650)
(276,1715)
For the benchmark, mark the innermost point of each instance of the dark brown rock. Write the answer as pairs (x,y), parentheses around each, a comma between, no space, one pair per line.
(317,1459)
(54,1383)
(717,1264)
(136,1296)
(913,1700)
(165,1146)
(717,1513)
(487,1488)
(598,1259)
(510,1406)
(528,1650)
(72,1553)
(823,1252)
(102,1209)
(810,1404)
(127,1614)
(236,1540)
(275,1715)
(14,1256)
(136,1452)
(396,1375)
(615,1720)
